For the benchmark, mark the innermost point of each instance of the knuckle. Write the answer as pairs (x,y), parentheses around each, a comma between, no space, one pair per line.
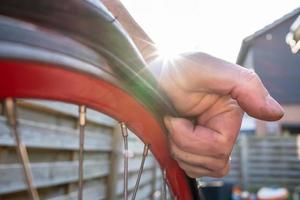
(172,152)
(191,174)
(221,173)
(181,143)
(249,75)
(223,153)
(183,166)
(173,155)
(220,165)
(223,149)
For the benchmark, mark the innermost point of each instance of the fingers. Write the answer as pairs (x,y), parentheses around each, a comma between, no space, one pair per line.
(199,151)
(196,172)
(198,160)
(197,166)
(195,140)
(198,139)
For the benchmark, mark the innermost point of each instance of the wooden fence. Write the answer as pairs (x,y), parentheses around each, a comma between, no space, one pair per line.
(265,161)
(50,132)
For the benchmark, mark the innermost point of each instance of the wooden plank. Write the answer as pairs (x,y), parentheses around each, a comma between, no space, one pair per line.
(144,190)
(274,180)
(68,109)
(38,135)
(275,151)
(134,164)
(274,173)
(142,194)
(272,138)
(276,165)
(8,155)
(258,185)
(272,144)
(94,192)
(158,183)
(115,160)
(244,160)
(265,158)
(49,174)
(154,178)
(145,179)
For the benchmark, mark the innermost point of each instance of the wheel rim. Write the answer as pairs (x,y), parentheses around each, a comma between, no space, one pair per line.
(44,81)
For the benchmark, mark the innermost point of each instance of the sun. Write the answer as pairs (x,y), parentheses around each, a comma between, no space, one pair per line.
(167,52)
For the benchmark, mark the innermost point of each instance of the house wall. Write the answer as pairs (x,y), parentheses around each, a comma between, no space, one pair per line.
(276,65)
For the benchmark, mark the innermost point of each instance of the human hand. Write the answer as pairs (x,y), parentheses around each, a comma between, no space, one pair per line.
(216,93)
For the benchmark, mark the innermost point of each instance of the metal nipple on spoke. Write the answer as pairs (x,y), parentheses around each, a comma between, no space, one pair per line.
(145,153)
(164,186)
(125,138)
(20,147)
(82,122)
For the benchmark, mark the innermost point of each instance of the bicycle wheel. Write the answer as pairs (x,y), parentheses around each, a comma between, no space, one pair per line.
(78,53)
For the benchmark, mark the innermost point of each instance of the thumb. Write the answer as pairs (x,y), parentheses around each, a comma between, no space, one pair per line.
(242,84)
(254,98)
(202,72)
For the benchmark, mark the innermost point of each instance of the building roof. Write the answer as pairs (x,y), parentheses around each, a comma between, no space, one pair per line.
(267,52)
(247,42)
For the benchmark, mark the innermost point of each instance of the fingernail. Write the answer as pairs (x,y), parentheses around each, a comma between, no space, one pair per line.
(276,108)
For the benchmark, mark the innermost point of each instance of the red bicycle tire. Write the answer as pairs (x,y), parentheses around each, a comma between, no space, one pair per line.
(40,79)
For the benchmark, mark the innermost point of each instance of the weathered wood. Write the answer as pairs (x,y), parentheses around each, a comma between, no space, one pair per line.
(292,143)
(49,174)
(273,180)
(145,179)
(143,192)
(275,165)
(266,158)
(53,131)
(134,164)
(67,109)
(274,138)
(273,173)
(244,161)
(274,151)
(115,160)
(94,192)
(153,182)
(38,135)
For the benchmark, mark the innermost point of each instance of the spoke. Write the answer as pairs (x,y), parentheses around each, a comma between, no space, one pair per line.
(20,147)
(145,153)
(125,138)
(164,187)
(82,122)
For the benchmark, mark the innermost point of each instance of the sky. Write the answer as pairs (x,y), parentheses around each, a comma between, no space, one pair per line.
(211,26)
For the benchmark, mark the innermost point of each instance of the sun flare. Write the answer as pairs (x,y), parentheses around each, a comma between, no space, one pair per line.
(168,52)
